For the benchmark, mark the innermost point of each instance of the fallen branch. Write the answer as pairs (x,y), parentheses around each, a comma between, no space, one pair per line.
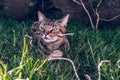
(118,63)
(111,18)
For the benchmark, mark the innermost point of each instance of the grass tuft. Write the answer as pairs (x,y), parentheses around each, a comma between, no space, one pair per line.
(20,60)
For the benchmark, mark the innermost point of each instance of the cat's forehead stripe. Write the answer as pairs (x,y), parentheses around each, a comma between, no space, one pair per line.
(50,22)
(47,23)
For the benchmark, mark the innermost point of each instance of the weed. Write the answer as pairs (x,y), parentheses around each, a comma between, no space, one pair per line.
(20,60)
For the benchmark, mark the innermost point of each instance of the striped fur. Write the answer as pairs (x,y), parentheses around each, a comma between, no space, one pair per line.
(48,34)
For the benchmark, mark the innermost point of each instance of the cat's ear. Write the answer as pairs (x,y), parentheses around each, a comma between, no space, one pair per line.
(41,16)
(63,21)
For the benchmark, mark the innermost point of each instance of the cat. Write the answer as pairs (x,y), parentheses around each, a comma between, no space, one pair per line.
(49,35)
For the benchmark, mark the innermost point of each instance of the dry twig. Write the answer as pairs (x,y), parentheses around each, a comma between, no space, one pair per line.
(97,14)
(83,5)
(69,60)
(77,2)
(102,19)
(99,65)
(118,63)
(88,77)
(98,18)
(30,39)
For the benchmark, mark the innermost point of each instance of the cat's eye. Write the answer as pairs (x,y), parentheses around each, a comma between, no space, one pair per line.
(41,34)
(55,29)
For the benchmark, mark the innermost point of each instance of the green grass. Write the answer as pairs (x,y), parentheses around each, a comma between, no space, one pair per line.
(88,48)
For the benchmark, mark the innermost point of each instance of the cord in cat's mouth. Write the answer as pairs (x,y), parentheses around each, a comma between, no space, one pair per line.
(71,34)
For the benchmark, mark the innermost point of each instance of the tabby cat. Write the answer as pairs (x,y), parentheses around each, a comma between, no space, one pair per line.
(49,34)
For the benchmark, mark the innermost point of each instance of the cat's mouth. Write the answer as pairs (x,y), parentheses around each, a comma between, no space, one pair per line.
(54,38)
(50,39)
(61,35)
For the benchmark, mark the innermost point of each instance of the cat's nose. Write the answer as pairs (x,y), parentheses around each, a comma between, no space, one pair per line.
(47,37)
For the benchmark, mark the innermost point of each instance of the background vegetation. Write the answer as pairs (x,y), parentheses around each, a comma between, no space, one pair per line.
(20,60)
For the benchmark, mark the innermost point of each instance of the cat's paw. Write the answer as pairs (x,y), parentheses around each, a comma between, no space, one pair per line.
(55,54)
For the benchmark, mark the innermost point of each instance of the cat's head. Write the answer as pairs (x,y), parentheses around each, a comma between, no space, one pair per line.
(49,27)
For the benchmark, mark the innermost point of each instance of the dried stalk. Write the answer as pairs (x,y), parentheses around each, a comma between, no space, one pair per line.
(30,39)
(99,65)
(69,60)
(97,14)
(76,70)
(83,5)
(88,77)
(77,2)
(102,19)
(71,34)
(118,63)
(90,18)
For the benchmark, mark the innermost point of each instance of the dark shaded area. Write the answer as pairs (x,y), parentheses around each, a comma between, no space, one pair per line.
(27,9)
(108,25)
(18,9)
